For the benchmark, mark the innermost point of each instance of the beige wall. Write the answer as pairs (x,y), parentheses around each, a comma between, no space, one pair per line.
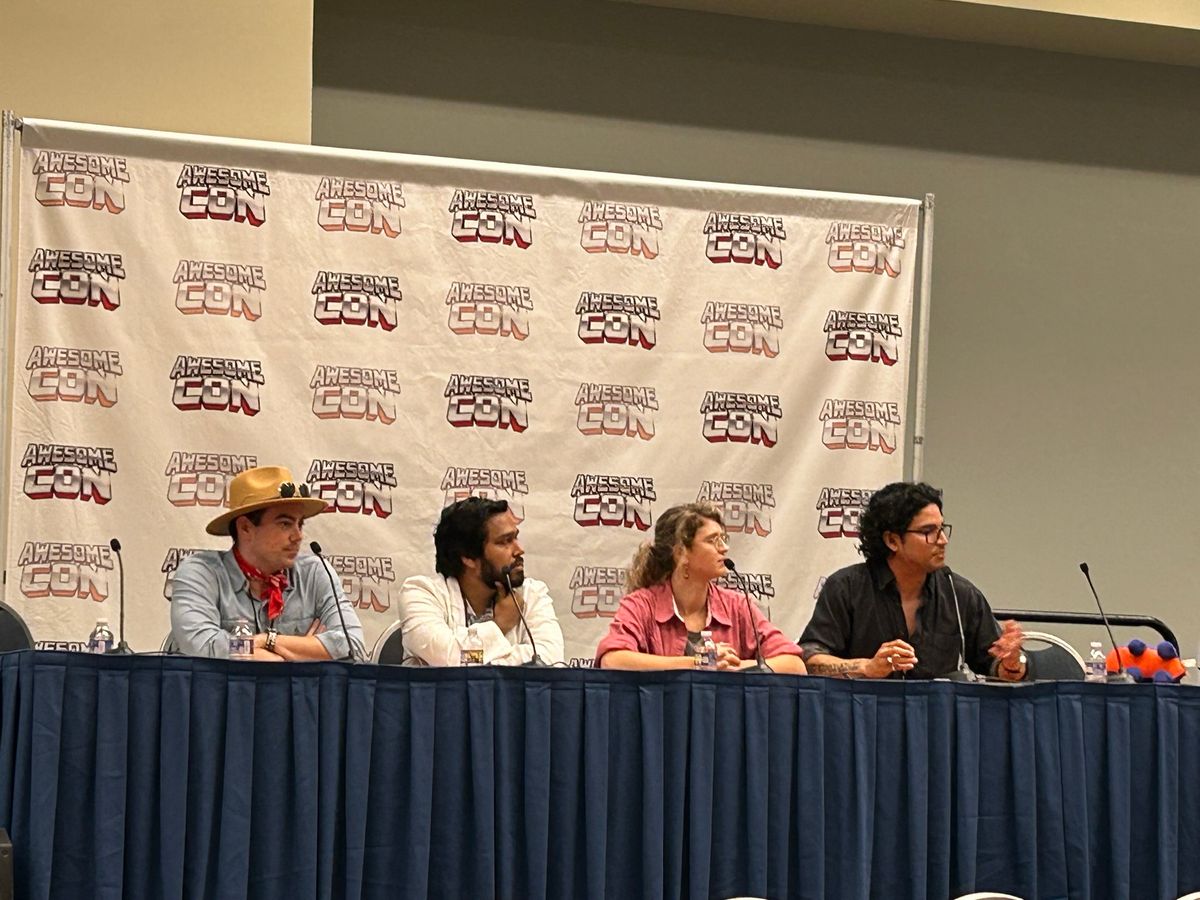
(1063,374)
(219,67)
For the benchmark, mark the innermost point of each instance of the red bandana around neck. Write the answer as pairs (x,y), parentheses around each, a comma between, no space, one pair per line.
(275,584)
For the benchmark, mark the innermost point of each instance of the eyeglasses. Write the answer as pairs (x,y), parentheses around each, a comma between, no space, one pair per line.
(717,540)
(932,533)
(288,490)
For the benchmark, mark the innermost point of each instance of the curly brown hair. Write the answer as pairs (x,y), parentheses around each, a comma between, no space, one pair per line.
(654,561)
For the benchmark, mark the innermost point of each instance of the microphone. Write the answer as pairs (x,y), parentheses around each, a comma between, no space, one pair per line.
(1120,676)
(536,661)
(122,647)
(760,664)
(337,598)
(963,672)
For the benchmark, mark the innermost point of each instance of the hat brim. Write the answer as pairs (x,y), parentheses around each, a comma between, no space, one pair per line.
(309,506)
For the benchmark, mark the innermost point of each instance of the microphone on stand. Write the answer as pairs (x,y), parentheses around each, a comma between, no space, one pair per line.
(337,598)
(536,661)
(122,648)
(1120,676)
(963,672)
(760,664)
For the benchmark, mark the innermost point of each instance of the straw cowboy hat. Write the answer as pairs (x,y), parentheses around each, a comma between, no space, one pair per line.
(259,488)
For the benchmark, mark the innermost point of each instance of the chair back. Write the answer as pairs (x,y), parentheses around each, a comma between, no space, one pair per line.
(14,633)
(389,649)
(1050,658)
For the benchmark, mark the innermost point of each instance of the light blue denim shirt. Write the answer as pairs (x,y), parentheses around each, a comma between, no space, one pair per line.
(210,593)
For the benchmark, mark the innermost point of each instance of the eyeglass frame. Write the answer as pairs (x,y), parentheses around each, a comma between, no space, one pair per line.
(721,537)
(931,537)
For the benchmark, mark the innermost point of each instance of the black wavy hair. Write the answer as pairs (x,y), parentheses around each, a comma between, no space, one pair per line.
(462,531)
(892,508)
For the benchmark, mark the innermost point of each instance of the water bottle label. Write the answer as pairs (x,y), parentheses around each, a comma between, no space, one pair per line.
(472,656)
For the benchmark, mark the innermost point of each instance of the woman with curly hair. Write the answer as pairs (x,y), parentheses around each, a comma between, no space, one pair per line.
(673,599)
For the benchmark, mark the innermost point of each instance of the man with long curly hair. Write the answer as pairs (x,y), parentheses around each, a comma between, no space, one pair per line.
(902,611)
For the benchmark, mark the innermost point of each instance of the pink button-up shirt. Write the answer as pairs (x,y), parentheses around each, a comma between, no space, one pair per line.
(646,622)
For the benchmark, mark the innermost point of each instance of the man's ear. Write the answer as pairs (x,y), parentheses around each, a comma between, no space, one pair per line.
(891,540)
(470,565)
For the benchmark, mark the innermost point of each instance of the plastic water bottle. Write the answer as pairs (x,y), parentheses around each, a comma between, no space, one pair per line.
(472,650)
(101,639)
(1097,668)
(706,653)
(241,640)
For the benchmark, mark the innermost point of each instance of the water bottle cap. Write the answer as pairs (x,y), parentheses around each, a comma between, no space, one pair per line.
(101,622)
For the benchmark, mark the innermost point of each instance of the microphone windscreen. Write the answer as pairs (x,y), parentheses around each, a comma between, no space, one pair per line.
(115,544)
(1083,567)
(315,548)
(729,565)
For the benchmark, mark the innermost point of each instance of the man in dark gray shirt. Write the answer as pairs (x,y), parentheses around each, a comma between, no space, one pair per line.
(899,612)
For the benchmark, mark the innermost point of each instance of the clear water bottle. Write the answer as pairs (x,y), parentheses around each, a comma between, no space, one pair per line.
(1097,669)
(101,639)
(241,640)
(706,652)
(472,650)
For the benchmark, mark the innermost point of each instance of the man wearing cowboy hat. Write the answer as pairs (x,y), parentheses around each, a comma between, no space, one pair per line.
(288,599)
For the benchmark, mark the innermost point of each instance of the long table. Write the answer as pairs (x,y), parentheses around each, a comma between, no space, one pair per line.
(167,777)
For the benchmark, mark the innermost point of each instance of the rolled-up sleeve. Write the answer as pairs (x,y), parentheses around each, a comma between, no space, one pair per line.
(196,613)
(326,586)
(631,626)
(828,631)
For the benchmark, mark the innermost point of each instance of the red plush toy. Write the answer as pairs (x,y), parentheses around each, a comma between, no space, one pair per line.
(1148,664)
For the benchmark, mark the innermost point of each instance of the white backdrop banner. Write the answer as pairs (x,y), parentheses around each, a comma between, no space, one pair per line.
(406,331)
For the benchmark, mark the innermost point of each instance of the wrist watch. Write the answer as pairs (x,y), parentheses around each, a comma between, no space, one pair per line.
(269,645)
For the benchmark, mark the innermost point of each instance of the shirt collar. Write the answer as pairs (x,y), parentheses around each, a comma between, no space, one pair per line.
(883,577)
(665,608)
(241,583)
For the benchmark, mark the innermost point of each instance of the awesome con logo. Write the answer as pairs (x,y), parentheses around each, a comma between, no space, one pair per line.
(353,486)
(76,277)
(860,425)
(741,418)
(350,298)
(65,570)
(217,385)
(626,410)
(745,506)
(496,310)
(223,194)
(360,207)
(597,591)
(367,580)
(202,479)
(63,472)
(349,392)
(618,319)
(74,375)
(509,485)
(170,563)
(488,401)
(219,289)
(839,511)
(863,337)
(81,180)
(493,218)
(758,586)
(862,247)
(744,238)
(614,501)
(624,228)
(742,328)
